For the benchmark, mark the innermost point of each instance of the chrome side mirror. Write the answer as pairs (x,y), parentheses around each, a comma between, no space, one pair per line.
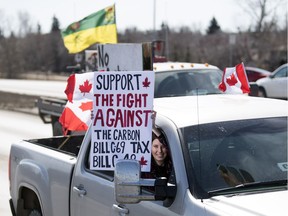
(128,182)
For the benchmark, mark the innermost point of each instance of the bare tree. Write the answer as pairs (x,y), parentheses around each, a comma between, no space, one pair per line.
(27,49)
(25,26)
(262,12)
(6,24)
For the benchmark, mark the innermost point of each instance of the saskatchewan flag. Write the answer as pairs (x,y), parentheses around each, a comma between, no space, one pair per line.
(99,27)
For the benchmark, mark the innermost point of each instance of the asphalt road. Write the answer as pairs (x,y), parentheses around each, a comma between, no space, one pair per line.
(20,95)
(15,126)
(34,87)
(22,123)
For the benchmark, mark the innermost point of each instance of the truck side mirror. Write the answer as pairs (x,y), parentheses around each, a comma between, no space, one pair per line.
(128,183)
(127,179)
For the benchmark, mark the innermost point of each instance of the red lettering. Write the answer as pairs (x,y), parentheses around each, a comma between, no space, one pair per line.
(130,118)
(99,116)
(119,118)
(138,116)
(146,116)
(97,96)
(131,100)
(109,122)
(122,118)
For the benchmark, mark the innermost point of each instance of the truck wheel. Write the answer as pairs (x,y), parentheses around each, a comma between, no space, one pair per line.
(262,93)
(35,213)
(28,204)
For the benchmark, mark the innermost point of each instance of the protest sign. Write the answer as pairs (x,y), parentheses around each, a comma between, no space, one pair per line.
(122,123)
(124,57)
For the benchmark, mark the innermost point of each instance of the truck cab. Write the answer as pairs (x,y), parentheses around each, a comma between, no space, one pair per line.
(219,146)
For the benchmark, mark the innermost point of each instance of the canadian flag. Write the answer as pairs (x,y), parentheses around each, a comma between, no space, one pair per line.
(76,115)
(234,80)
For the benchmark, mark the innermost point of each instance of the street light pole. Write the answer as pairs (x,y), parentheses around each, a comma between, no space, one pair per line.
(154,18)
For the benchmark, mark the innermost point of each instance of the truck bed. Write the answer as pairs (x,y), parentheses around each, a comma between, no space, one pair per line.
(65,144)
(48,163)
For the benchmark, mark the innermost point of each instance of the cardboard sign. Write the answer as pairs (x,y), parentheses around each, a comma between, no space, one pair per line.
(124,57)
(122,123)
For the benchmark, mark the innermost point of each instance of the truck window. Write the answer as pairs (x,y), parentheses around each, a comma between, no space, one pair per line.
(228,154)
(109,175)
(106,174)
(161,160)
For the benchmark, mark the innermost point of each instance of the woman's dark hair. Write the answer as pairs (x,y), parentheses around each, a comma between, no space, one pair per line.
(161,138)
(154,136)
(159,171)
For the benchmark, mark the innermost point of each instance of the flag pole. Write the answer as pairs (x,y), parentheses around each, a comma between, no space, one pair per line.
(154,19)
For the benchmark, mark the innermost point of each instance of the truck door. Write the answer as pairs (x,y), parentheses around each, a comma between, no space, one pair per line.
(92,192)
(149,208)
(100,200)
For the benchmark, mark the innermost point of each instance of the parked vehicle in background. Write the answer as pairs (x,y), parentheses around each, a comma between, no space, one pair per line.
(174,79)
(275,85)
(254,73)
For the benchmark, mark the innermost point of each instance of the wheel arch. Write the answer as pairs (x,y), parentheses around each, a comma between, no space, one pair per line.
(28,200)
(33,186)
(262,91)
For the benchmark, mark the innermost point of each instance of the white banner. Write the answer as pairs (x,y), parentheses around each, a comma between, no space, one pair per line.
(122,123)
(120,57)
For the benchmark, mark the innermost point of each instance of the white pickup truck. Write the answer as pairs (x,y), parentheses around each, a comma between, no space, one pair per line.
(229,155)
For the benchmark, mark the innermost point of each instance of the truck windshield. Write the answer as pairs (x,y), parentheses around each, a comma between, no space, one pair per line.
(187,82)
(231,154)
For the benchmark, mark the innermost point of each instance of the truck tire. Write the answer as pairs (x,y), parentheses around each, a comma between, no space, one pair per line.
(35,212)
(28,204)
(261,92)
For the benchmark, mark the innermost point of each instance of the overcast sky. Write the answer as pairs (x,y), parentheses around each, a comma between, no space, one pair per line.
(195,14)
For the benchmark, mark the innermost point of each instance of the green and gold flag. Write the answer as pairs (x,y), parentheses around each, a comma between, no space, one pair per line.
(99,27)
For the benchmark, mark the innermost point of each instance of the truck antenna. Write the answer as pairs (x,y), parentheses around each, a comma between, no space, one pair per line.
(198,129)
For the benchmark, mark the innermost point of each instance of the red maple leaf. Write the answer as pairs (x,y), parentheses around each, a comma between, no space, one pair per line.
(86,87)
(231,80)
(143,161)
(86,106)
(146,82)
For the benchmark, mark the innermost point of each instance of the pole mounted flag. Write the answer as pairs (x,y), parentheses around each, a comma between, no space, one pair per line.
(234,80)
(76,115)
(99,27)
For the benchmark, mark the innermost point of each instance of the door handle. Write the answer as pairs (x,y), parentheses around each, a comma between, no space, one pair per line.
(80,190)
(120,209)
